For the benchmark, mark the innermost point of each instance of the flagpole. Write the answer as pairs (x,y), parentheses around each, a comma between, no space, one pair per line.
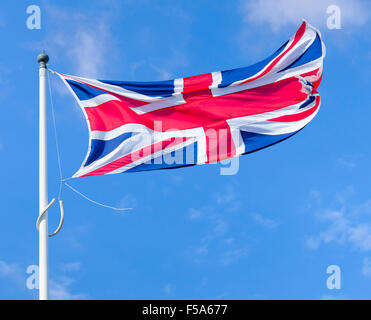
(43,59)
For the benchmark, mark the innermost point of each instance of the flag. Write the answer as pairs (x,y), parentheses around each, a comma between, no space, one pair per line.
(138,126)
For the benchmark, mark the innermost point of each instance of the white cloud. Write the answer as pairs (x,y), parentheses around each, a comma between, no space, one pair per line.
(363,208)
(73,238)
(71,266)
(128,201)
(12,271)
(89,51)
(229,241)
(222,296)
(217,243)
(166,67)
(334,297)
(177,179)
(169,288)
(198,254)
(345,227)
(60,287)
(349,161)
(314,194)
(343,196)
(219,228)
(314,198)
(202,251)
(60,290)
(164,74)
(313,242)
(228,197)
(366,269)
(88,45)
(232,256)
(194,214)
(263,221)
(346,222)
(280,13)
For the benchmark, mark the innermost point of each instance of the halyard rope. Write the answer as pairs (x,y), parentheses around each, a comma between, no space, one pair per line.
(56,138)
(62,180)
(93,201)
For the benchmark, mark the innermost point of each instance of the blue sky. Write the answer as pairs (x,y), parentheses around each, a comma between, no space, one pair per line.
(268,232)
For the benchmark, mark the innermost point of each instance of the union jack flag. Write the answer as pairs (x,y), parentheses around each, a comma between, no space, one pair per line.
(137,126)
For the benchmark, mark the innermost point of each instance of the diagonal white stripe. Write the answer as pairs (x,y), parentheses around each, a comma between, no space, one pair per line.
(98,100)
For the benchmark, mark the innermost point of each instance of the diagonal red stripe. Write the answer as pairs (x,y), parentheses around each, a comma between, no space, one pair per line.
(136,155)
(298,116)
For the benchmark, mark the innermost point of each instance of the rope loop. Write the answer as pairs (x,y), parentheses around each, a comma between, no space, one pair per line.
(45,211)
(93,201)
(61,179)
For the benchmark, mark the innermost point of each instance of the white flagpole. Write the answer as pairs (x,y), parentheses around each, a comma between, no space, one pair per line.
(42,59)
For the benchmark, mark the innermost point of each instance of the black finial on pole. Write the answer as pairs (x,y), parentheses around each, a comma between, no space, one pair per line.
(43,59)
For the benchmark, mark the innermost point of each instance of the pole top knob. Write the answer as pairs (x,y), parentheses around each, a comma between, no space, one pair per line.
(43,59)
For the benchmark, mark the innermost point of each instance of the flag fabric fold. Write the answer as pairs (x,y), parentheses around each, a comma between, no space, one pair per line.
(138,126)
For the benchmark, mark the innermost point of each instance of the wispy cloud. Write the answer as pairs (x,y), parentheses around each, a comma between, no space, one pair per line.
(128,201)
(169,288)
(198,253)
(343,230)
(312,242)
(61,286)
(218,229)
(60,290)
(347,225)
(348,161)
(343,196)
(216,243)
(13,272)
(71,266)
(228,197)
(232,256)
(263,221)
(89,50)
(366,268)
(74,235)
(280,13)
(194,214)
(314,198)
(177,179)
(75,37)
(334,297)
(170,63)
(165,68)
